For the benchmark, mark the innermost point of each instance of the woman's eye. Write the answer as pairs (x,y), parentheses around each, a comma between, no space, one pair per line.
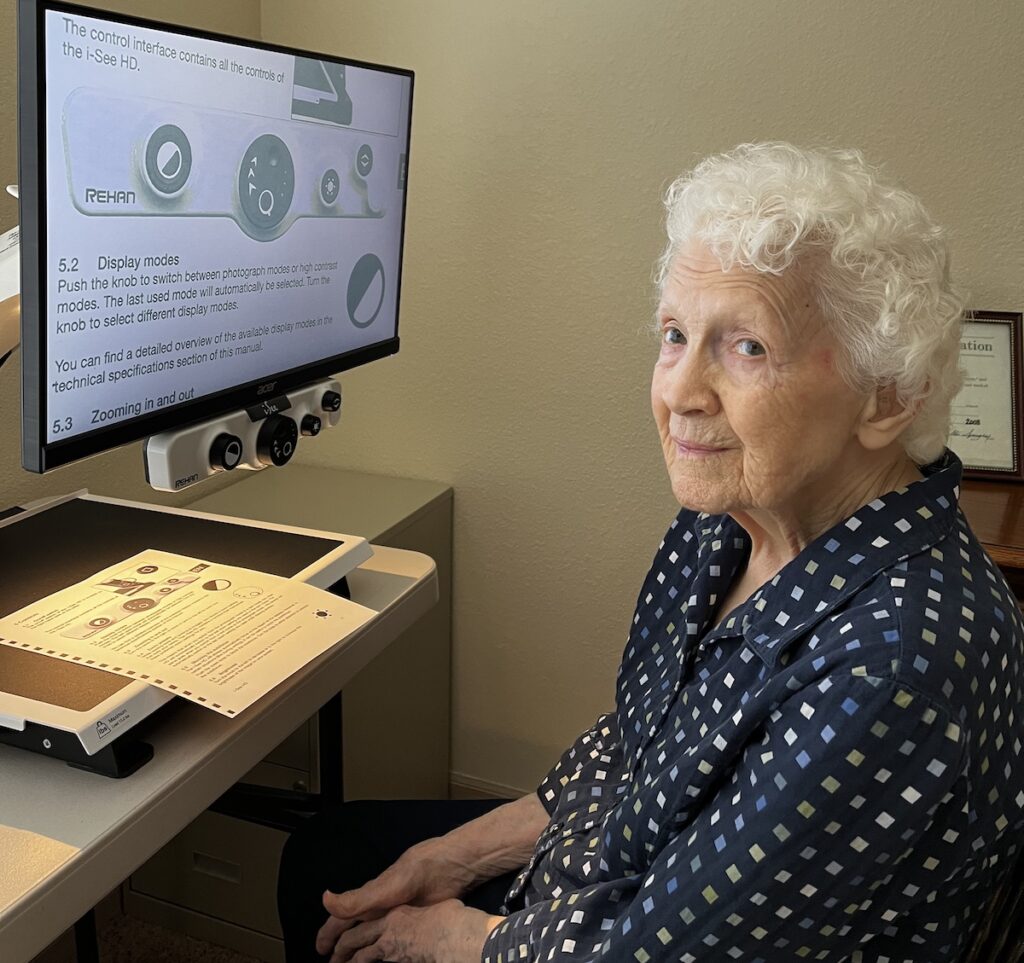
(671,336)
(757,349)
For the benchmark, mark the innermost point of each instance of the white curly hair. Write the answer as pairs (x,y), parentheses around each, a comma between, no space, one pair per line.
(876,261)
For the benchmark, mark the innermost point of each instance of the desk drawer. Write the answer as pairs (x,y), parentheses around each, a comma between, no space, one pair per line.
(221,867)
(296,751)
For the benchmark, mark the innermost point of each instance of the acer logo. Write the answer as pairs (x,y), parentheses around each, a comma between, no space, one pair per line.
(267,388)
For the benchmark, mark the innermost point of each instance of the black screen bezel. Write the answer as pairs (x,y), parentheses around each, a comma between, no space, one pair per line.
(38,454)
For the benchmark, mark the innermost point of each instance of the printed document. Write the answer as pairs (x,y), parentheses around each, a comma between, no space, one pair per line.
(215,634)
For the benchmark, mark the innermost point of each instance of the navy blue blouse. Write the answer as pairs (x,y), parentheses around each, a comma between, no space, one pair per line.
(832,773)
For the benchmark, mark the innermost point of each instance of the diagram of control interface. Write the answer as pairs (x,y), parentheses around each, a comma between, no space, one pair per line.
(141,589)
(162,158)
(133,591)
(216,214)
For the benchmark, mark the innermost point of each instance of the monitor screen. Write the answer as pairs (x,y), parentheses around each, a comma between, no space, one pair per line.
(202,218)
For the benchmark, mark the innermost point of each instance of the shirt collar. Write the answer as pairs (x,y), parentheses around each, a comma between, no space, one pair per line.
(838,563)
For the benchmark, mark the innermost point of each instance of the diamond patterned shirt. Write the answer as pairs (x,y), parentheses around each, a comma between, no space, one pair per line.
(832,773)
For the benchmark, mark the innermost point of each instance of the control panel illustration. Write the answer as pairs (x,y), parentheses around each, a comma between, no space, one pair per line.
(135,590)
(137,156)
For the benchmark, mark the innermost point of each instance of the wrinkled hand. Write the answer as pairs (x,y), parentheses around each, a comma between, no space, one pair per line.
(423,875)
(447,932)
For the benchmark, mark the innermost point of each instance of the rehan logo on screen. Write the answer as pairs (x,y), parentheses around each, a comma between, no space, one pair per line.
(97,195)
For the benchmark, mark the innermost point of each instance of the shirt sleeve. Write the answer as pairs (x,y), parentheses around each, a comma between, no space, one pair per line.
(844,817)
(594,748)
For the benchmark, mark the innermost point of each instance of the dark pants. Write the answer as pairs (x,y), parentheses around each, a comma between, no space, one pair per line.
(345,848)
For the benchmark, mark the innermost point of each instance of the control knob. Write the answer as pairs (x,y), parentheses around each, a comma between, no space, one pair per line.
(275,443)
(225,452)
(311,426)
(331,401)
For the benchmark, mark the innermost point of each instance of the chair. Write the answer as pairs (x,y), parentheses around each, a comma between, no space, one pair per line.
(999,937)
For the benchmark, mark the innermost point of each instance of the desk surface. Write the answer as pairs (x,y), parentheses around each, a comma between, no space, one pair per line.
(69,837)
(376,507)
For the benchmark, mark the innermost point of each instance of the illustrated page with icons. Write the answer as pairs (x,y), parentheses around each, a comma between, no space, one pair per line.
(215,214)
(218,635)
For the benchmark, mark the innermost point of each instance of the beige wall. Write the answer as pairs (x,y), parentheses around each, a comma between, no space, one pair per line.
(543,135)
(116,473)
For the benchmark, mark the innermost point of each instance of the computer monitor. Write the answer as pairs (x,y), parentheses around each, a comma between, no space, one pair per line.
(205,221)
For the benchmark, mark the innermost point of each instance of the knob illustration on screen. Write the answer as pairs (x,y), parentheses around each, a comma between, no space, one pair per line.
(365,295)
(330,184)
(168,160)
(364,160)
(266,181)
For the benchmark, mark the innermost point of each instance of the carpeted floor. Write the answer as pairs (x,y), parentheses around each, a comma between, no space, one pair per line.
(124,939)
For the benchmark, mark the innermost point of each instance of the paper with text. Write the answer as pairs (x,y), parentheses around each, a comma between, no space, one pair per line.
(215,634)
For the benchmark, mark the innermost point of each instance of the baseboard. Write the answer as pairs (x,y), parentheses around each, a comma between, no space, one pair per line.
(463,786)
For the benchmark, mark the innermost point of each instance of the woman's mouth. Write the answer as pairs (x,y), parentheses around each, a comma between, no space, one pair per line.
(695,450)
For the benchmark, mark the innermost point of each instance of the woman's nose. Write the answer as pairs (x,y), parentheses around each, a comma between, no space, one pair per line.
(688,385)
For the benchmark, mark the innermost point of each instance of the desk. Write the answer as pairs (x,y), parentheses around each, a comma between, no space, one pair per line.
(400,753)
(69,837)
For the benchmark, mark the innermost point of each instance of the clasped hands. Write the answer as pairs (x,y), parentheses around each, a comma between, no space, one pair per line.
(409,914)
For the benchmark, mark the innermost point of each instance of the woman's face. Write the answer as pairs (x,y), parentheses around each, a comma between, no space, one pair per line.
(746,368)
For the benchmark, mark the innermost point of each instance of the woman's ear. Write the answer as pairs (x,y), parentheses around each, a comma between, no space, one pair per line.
(883,419)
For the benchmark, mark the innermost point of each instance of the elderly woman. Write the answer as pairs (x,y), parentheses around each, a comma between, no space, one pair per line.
(814,752)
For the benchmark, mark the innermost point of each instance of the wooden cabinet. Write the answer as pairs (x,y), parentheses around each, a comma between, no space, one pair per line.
(995,511)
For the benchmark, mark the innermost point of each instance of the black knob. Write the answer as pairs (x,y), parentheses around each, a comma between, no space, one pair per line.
(331,401)
(311,426)
(225,452)
(275,443)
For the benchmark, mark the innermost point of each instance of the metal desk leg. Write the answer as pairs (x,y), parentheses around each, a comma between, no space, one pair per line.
(86,946)
(329,739)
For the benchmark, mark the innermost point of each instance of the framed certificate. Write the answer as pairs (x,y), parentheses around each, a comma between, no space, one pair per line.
(986,420)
